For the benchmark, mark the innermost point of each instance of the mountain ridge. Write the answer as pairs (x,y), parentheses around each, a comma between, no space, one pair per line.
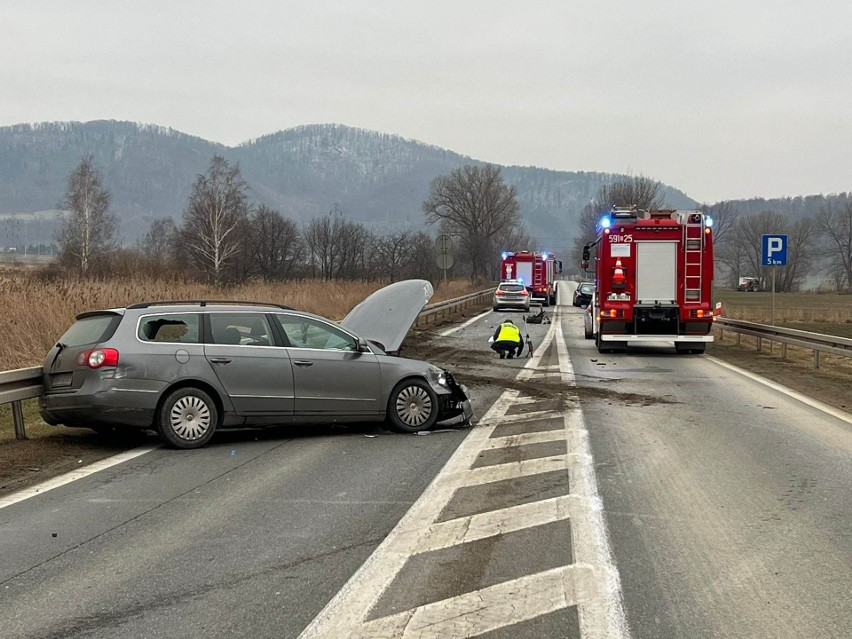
(378,178)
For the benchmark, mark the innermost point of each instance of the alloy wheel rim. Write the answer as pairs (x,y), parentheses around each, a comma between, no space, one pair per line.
(414,406)
(190,418)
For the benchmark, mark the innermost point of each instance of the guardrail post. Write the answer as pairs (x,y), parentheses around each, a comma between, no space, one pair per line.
(816,358)
(783,350)
(759,343)
(18,421)
(739,335)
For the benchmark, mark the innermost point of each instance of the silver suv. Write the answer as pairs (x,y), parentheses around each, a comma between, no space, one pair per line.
(188,368)
(511,294)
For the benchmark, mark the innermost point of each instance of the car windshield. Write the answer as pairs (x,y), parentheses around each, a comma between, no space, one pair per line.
(586,289)
(511,288)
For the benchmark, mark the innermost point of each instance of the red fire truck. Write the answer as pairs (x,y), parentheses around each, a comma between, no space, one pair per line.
(653,279)
(536,270)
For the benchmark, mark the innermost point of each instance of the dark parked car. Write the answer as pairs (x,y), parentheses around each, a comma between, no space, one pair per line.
(189,368)
(583,294)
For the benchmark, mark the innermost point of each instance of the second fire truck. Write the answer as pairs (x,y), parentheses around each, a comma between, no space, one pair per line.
(536,270)
(653,279)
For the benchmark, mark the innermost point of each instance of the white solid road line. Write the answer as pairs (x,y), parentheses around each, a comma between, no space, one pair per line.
(600,606)
(813,403)
(74,475)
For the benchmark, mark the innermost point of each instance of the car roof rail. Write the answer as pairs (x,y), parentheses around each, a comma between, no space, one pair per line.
(209,302)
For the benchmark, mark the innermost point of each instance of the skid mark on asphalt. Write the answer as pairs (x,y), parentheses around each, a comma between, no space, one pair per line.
(507,537)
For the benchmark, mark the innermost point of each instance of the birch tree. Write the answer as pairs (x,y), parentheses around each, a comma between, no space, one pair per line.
(211,221)
(88,231)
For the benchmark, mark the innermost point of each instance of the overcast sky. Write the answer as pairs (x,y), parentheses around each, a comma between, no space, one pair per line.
(720,99)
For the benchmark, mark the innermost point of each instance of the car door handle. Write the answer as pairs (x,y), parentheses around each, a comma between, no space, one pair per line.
(303,362)
(220,360)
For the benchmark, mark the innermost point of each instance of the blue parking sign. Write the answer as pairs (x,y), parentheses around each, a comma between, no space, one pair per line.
(773,251)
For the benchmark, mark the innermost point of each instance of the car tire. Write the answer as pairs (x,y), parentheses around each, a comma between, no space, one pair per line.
(495,308)
(412,406)
(188,418)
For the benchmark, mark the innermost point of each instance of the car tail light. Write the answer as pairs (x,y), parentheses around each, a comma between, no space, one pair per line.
(98,358)
(498,292)
(524,293)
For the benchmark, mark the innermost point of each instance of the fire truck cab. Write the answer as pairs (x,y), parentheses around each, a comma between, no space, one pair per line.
(653,279)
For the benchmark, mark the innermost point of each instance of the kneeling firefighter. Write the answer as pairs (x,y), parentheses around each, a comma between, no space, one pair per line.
(507,340)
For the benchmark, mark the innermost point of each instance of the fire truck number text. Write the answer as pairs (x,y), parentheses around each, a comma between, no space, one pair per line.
(620,238)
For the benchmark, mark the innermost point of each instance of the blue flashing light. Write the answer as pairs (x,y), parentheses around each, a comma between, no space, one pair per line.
(544,256)
(708,221)
(505,255)
(605,222)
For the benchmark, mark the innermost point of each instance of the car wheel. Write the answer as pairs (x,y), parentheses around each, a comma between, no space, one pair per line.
(496,308)
(188,418)
(412,406)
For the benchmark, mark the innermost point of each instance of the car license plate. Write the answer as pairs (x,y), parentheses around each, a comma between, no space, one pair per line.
(61,380)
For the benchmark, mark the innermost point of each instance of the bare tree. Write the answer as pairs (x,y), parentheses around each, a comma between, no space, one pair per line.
(323,237)
(211,221)
(801,242)
(474,203)
(728,254)
(88,232)
(160,240)
(275,242)
(835,226)
(394,253)
(639,191)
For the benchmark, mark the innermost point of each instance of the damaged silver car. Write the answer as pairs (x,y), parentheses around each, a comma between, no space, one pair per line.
(189,368)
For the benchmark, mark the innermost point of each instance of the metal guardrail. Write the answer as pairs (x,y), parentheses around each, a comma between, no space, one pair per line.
(817,342)
(25,383)
(16,386)
(442,309)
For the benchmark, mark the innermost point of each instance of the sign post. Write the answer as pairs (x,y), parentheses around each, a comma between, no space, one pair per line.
(773,252)
(443,253)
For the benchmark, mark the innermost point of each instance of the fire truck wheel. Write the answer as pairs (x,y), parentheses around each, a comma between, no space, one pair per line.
(587,333)
(545,301)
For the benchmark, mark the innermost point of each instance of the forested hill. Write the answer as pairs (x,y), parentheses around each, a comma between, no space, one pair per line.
(303,172)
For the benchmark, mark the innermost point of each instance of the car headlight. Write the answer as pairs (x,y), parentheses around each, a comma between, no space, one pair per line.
(438,376)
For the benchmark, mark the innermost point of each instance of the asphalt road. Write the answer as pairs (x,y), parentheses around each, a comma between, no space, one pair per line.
(727,506)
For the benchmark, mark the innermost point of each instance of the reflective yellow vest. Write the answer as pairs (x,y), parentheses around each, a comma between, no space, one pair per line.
(509,333)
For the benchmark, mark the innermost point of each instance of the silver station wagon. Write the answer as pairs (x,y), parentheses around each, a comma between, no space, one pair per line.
(189,368)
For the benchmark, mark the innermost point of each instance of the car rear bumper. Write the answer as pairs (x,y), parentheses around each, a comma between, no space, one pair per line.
(116,405)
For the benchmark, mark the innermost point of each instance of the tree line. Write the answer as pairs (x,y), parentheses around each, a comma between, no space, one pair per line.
(819,245)
(223,238)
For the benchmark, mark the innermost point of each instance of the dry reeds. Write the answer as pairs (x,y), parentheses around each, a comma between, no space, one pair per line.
(36,311)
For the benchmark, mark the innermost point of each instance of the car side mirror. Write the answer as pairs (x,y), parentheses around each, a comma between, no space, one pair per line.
(363,346)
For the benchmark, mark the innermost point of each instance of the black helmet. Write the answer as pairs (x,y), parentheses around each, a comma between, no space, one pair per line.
(509,321)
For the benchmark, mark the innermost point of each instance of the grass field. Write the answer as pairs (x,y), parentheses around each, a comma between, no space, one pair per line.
(825,309)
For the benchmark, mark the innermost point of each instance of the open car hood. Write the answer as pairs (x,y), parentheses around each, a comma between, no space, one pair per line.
(387,314)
